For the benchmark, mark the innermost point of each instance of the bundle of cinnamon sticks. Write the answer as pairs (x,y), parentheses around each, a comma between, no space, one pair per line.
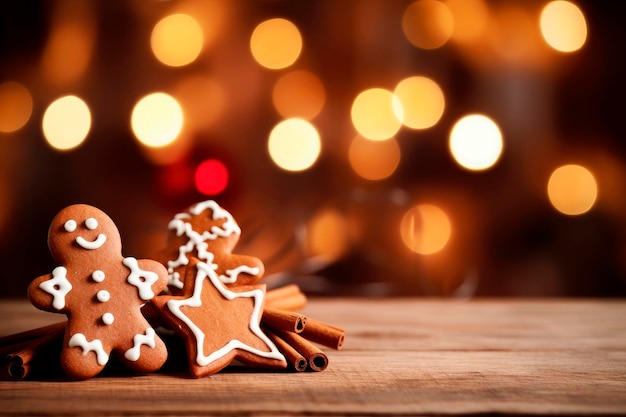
(36,351)
(296,335)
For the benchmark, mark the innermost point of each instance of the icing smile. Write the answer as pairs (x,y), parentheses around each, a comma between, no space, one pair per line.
(95,244)
(91,224)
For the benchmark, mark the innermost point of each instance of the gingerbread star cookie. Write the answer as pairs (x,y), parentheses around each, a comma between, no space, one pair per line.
(218,323)
(101,292)
(208,232)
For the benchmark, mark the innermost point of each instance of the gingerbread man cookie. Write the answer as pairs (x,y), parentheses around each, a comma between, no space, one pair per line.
(101,292)
(219,324)
(210,233)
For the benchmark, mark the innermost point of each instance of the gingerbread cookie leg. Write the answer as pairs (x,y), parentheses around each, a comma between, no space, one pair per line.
(83,358)
(147,352)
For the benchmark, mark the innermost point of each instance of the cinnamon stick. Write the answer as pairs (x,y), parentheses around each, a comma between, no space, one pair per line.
(14,339)
(323,333)
(317,360)
(9,349)
(294,358)
(19,361)
(284,320)
(281,292)
(288,297)
(18,371)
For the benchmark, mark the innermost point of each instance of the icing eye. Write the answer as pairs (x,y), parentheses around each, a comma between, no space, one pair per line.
(70,226)
(91,223)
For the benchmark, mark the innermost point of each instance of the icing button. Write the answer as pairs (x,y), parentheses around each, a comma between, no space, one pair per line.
(103,296)
(108,318)
(98,276)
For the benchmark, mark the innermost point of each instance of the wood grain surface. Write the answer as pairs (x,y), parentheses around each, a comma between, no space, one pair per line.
(400,357)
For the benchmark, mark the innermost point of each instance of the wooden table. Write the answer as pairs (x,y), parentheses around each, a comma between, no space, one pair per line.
(401,356)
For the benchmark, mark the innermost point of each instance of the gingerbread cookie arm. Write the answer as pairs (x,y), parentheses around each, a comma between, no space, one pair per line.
(148,276)
(48,292)
(240,269)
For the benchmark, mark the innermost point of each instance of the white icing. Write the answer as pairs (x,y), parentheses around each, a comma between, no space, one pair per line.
(147,339)
(103,296)
(205,271)
(141,279)
(91,245)
(179,225)
(70,225)
(196,240)
(91,223)
(203,254)
(98,276)
(231,275)
(58,286)
(95,346)
(108,318)
(174,279)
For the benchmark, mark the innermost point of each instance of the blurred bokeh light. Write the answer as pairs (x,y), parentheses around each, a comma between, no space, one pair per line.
(428,24)
(328,236)
(425,229)
(66,123)
(69,47)
(422,101)
(177,40)
(377,114)
(433,147)
(294,144)
(299,94)
(563,26)
(157,119)
(16,106)
(572,189)
(374,160)
(470,18)
(211,177)
(276,43)
(476,142)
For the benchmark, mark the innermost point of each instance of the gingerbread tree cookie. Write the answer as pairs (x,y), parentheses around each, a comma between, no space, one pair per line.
(218,324)
(208,232)
(101,292)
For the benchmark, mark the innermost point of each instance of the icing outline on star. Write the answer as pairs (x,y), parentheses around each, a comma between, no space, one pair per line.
(205,271)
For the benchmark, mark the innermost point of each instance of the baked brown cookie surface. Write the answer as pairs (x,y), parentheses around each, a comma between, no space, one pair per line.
(101,293)
(210,233)
(219,324)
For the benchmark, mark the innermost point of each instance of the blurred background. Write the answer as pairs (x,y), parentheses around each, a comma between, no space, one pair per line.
(452,148)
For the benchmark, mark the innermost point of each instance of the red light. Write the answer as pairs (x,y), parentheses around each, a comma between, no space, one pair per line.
(211,177)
